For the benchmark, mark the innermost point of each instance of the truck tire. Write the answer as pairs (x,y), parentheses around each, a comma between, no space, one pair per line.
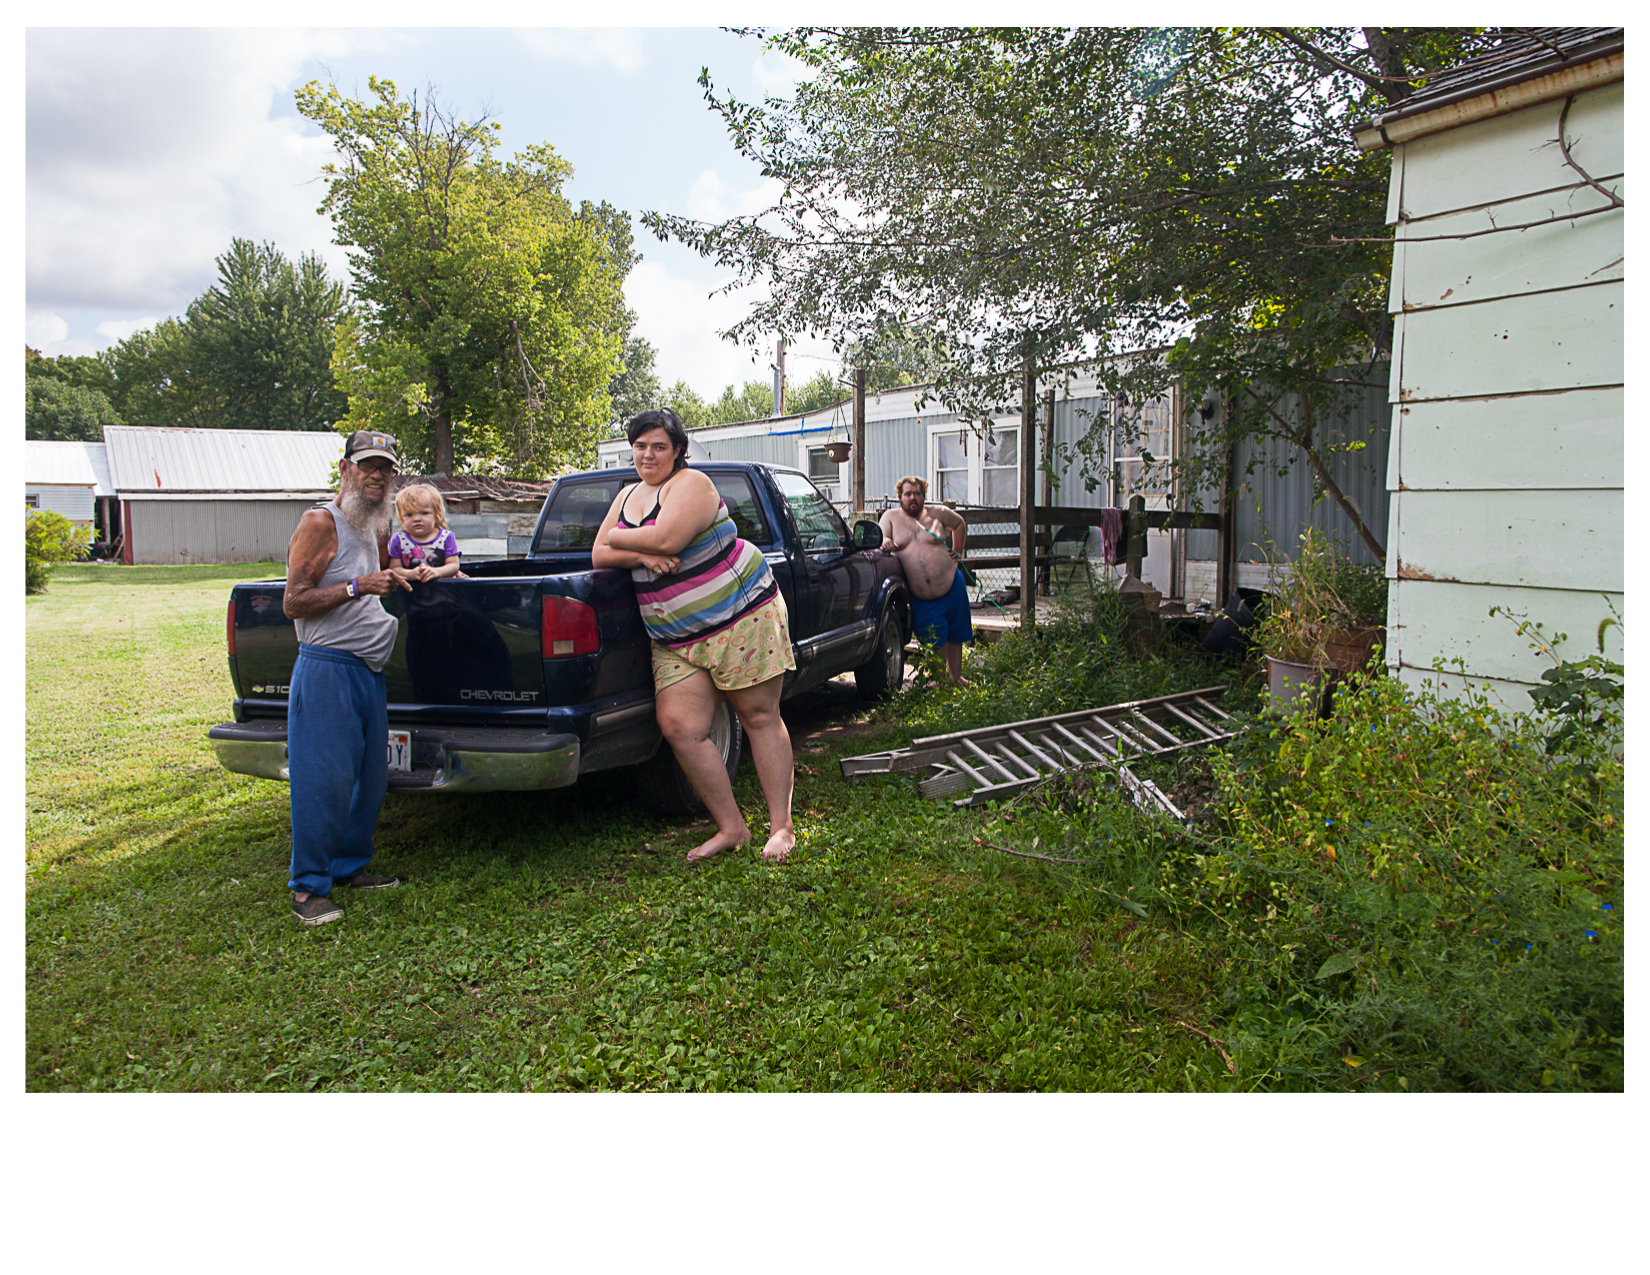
(884,672)
(662,784)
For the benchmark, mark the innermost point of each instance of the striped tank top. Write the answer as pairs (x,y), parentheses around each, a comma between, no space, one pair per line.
(718,579)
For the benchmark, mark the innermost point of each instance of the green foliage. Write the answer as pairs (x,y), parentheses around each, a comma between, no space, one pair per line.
(48,540)
(1080,655)
(636,388)
(157,382)
(84,370)
(60,409)
(1418,897)
(261,340)
(493,314)
(1057,193)
(750,402)
(1320,591)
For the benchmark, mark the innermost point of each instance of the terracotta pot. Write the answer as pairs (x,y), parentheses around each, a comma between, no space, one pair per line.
(1297,688)
(1350,650)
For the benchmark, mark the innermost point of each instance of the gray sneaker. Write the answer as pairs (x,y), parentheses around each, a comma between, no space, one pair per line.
(367,881)
(318,909)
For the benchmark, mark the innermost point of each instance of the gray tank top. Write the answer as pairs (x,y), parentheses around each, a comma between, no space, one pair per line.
(360,626)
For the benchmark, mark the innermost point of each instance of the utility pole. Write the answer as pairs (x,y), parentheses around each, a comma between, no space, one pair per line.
(779,382)
(859,440)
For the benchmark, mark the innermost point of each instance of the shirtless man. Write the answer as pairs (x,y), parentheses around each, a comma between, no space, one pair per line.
(928,540)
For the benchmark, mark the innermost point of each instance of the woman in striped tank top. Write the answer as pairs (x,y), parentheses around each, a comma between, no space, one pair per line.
(718,624)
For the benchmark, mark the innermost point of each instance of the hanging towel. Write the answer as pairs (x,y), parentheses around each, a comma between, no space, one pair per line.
(1113,544)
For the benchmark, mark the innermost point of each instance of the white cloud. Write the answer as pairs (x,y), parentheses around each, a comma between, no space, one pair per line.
(712,199)
(148,149)
(120,329)
(43,328)
(620,48)
(681,323)
(779,73)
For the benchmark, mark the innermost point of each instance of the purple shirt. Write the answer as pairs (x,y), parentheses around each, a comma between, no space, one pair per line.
(412,553)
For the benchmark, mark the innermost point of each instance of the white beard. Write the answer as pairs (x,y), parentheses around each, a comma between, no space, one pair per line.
(364,514)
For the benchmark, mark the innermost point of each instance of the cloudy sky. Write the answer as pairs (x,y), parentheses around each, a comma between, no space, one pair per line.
(149,148)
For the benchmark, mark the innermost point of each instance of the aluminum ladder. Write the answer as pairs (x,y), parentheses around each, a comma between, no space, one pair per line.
(994,761)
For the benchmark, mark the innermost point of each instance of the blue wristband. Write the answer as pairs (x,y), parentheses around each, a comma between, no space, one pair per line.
(349,587)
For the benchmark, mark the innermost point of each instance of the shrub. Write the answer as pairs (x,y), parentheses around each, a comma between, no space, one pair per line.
(49,538)
(1422,895)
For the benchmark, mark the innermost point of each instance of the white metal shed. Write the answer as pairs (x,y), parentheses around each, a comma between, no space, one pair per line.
(66,477)
(216,495)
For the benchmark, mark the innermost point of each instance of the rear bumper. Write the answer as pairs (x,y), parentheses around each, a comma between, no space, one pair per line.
(445,759)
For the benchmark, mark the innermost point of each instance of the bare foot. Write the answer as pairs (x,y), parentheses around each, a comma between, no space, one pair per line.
(779,846)
(720,842)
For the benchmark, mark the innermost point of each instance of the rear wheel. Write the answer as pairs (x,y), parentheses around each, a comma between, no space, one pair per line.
(884,672)
(664,786)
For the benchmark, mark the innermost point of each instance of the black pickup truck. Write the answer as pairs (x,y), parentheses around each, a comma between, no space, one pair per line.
(535,671)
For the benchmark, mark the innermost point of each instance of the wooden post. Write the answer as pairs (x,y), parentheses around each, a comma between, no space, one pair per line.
(1028,493)
(1136,535)
(859,441)
(1226,566)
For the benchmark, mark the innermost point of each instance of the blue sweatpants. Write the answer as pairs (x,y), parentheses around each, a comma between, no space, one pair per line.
(337,759)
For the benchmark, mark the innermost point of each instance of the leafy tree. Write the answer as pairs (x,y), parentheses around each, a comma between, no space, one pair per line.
(156,381)
(61,410)
(492,314)
(1060,194)
(87,371)
(636,388)
(261,340)
(752,400)
(48,539)
(687,404)
(821,390)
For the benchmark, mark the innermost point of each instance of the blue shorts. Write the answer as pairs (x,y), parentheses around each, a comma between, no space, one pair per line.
(944,620)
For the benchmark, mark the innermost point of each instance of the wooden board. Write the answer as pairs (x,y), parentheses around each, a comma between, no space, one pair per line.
(1563,254)
(1510,156)
(1453,621)
(1551,341)
(1534,539)
(1539,441)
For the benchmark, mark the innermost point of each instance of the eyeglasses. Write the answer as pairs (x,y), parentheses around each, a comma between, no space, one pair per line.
(375,465)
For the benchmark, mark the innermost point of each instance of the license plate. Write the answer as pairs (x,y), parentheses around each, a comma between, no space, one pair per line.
(400,750)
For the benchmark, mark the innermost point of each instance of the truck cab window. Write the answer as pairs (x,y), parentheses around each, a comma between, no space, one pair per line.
(818,526)
(576,514)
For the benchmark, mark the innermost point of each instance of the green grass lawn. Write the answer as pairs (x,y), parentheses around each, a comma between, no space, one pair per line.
(543,941)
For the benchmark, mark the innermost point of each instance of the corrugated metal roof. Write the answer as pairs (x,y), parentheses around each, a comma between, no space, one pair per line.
(75,464)
(146,459)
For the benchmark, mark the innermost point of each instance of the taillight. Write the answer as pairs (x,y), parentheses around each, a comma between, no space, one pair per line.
(229,628)
(568,627)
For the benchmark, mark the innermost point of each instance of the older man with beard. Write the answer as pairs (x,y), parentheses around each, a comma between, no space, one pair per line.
(337,722)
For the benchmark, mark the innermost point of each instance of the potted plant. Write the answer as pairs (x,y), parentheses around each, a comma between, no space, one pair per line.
(1322,622)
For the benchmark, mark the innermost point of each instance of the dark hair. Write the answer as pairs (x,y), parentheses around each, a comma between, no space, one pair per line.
(667,420)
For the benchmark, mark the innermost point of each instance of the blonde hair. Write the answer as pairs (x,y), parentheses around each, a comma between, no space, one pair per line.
(421,494)
(922,485)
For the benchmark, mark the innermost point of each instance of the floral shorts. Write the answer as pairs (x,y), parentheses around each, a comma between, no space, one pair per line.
(754,648)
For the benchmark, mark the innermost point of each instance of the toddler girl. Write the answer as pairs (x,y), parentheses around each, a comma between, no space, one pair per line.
(423,549)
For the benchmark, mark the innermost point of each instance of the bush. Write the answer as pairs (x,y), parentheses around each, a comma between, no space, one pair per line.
(1421,895)
(49,538)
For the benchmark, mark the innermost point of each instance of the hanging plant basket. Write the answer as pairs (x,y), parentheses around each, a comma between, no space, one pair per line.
(838,451)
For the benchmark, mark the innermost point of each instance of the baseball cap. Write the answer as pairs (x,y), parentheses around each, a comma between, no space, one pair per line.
(371,442)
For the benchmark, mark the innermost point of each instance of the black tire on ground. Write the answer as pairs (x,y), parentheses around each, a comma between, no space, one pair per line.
(661,782)
(884,672)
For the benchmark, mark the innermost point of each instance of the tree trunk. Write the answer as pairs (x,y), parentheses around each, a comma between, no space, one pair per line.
(1303,440)
(441,429)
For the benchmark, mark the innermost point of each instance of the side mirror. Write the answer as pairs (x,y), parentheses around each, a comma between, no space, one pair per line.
(867,534)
